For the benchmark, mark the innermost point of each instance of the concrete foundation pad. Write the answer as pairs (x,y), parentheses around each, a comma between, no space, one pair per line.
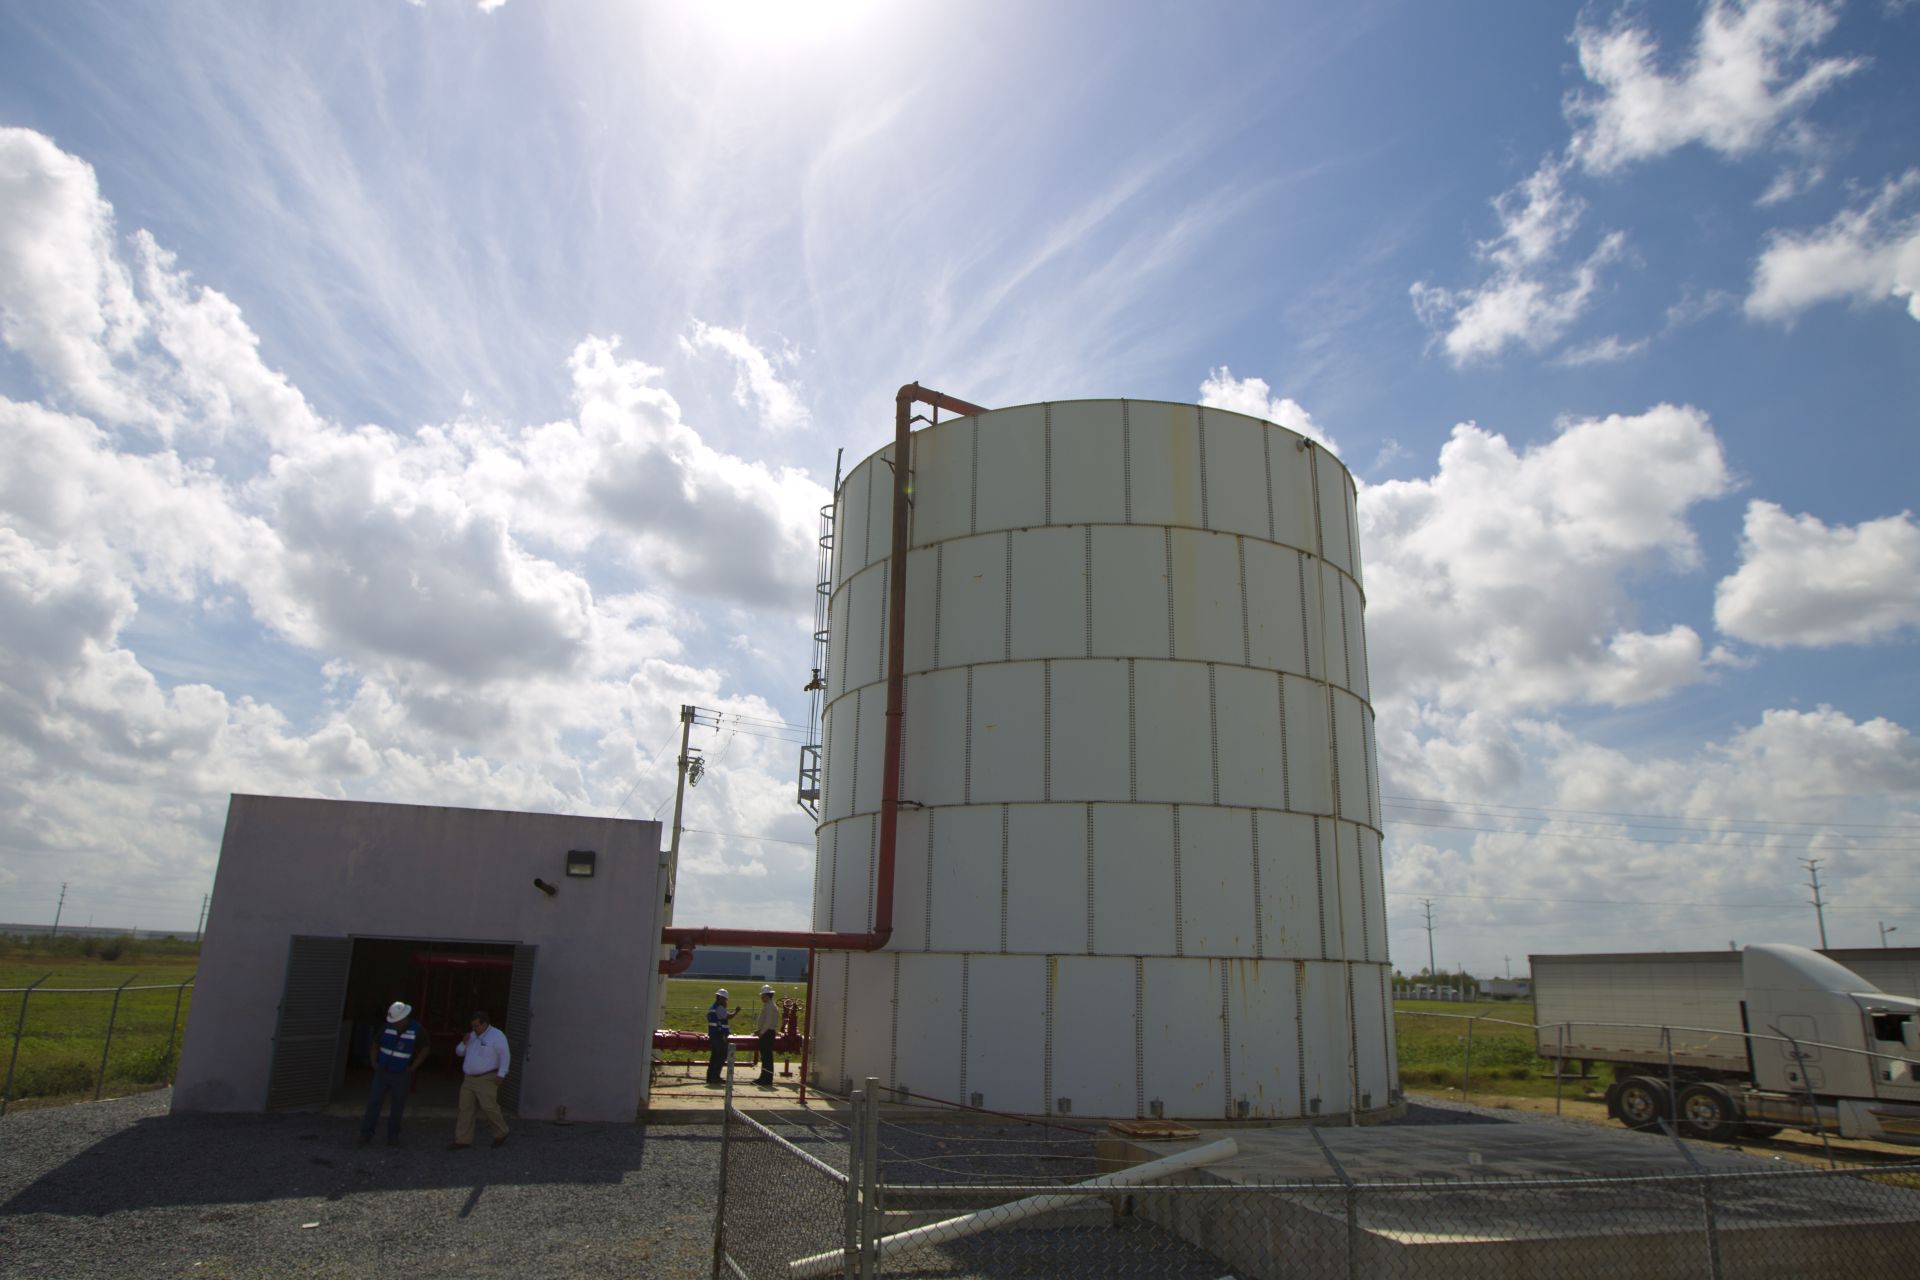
(1494,1200)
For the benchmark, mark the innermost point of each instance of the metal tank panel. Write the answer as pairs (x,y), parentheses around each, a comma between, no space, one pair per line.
(1138,862)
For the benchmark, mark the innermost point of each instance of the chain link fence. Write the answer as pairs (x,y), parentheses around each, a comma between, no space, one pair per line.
(848,1194)
(79,1042)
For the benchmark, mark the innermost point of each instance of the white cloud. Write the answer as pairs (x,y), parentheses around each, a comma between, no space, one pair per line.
(488,602)
(1527,299)
(1867,254)
(69,304)
(1536,217)
(1750,73)
(1739,813)
(756,384)
(1499,584)
(1253,397)
(1607,350)
(1744,85)
(1803,582)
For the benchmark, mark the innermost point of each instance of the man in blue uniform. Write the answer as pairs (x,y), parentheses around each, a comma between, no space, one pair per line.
(719,1025)
(395,1057)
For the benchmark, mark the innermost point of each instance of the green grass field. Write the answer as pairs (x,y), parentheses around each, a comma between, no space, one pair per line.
(66,1027)
(1433,1047)
(66,1017)
(688,998)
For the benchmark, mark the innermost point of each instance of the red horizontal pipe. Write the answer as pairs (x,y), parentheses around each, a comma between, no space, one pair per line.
(687,1040)
(441,960)
(685,940)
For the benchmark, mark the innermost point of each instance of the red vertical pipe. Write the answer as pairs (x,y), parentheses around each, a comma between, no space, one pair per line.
(903,403)
(806,1037)
(686,939)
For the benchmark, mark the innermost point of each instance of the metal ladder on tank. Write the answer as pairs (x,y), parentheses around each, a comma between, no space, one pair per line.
(809,779)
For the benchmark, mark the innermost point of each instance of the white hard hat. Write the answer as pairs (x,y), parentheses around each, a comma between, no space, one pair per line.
(721,994)
(398,1011)
(766,991)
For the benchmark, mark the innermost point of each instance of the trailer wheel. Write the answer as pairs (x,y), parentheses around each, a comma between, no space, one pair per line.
(1709,1111)
(1640,1102)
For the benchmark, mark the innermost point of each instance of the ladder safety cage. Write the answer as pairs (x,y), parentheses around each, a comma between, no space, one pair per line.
(808,782)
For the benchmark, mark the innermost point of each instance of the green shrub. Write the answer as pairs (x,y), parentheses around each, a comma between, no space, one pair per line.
(48,1076)
(112,949)
(147,1064)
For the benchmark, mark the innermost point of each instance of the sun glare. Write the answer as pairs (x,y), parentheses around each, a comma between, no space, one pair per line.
(782,22)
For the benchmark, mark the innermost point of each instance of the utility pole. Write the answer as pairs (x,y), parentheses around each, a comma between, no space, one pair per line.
(1509,960)
(201,925)
(62,906)
(1432,973)
(1819,908)
(679,801)
(672,870)
(1886,929)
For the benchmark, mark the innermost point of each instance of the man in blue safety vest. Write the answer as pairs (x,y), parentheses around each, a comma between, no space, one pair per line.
(395,1057)
(719,1024)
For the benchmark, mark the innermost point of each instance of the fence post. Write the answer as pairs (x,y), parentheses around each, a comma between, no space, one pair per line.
(850,1240)
(1351,1196)
(1466,1073)
(6,1093)
(1706,1199)
(726,1140)
(1806,1085)
(1673,1085)
(173,1030)
(870,1220)
(1559,1063)
(100,1082)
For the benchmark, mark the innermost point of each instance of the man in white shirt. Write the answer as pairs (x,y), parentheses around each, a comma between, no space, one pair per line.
(767,1028)
(484,1058)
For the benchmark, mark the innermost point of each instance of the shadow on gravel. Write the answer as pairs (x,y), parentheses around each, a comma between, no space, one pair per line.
(206,1160)
(1421,1114)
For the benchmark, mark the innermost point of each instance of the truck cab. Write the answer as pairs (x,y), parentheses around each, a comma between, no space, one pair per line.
(1824,1038)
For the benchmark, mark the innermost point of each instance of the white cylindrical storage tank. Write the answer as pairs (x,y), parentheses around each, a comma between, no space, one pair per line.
(1138,866)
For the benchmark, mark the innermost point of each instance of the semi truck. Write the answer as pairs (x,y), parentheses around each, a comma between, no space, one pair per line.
(1725,1044)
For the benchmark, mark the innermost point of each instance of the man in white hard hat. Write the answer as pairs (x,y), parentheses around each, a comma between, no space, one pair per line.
(768,1027)
(395,1057)
(719,1025)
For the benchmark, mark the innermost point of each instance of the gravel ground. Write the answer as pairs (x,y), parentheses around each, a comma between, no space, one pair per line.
(122,1188)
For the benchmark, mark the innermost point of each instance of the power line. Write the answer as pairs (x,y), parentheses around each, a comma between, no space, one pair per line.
(642,778)
(1574,835)
(1427,905)
(741,835)
(1819,910)
(1702,828)
(1592,902)
(1651,817)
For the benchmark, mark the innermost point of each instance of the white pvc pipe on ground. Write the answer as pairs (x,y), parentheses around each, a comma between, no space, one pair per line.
(969,1224)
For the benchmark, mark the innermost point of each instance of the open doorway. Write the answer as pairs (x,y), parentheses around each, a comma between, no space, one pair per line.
(443,981)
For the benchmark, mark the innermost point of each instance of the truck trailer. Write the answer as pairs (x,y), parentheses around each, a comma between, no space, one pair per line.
(1731,1043)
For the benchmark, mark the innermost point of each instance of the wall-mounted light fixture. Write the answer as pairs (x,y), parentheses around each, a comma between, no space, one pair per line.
(580,862)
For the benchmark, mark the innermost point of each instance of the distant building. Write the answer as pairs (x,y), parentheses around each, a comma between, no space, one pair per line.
(326,911)
(772,964)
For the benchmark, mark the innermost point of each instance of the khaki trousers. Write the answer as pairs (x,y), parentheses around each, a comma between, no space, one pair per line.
(479,1091)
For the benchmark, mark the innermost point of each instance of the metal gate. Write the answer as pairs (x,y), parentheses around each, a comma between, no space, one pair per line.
(518,1024)
(308,1029)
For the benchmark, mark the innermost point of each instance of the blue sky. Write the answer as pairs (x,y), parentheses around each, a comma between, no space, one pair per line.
(421,401)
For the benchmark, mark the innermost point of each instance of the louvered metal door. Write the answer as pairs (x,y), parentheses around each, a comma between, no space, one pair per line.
(308,1028)
(518,1025)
